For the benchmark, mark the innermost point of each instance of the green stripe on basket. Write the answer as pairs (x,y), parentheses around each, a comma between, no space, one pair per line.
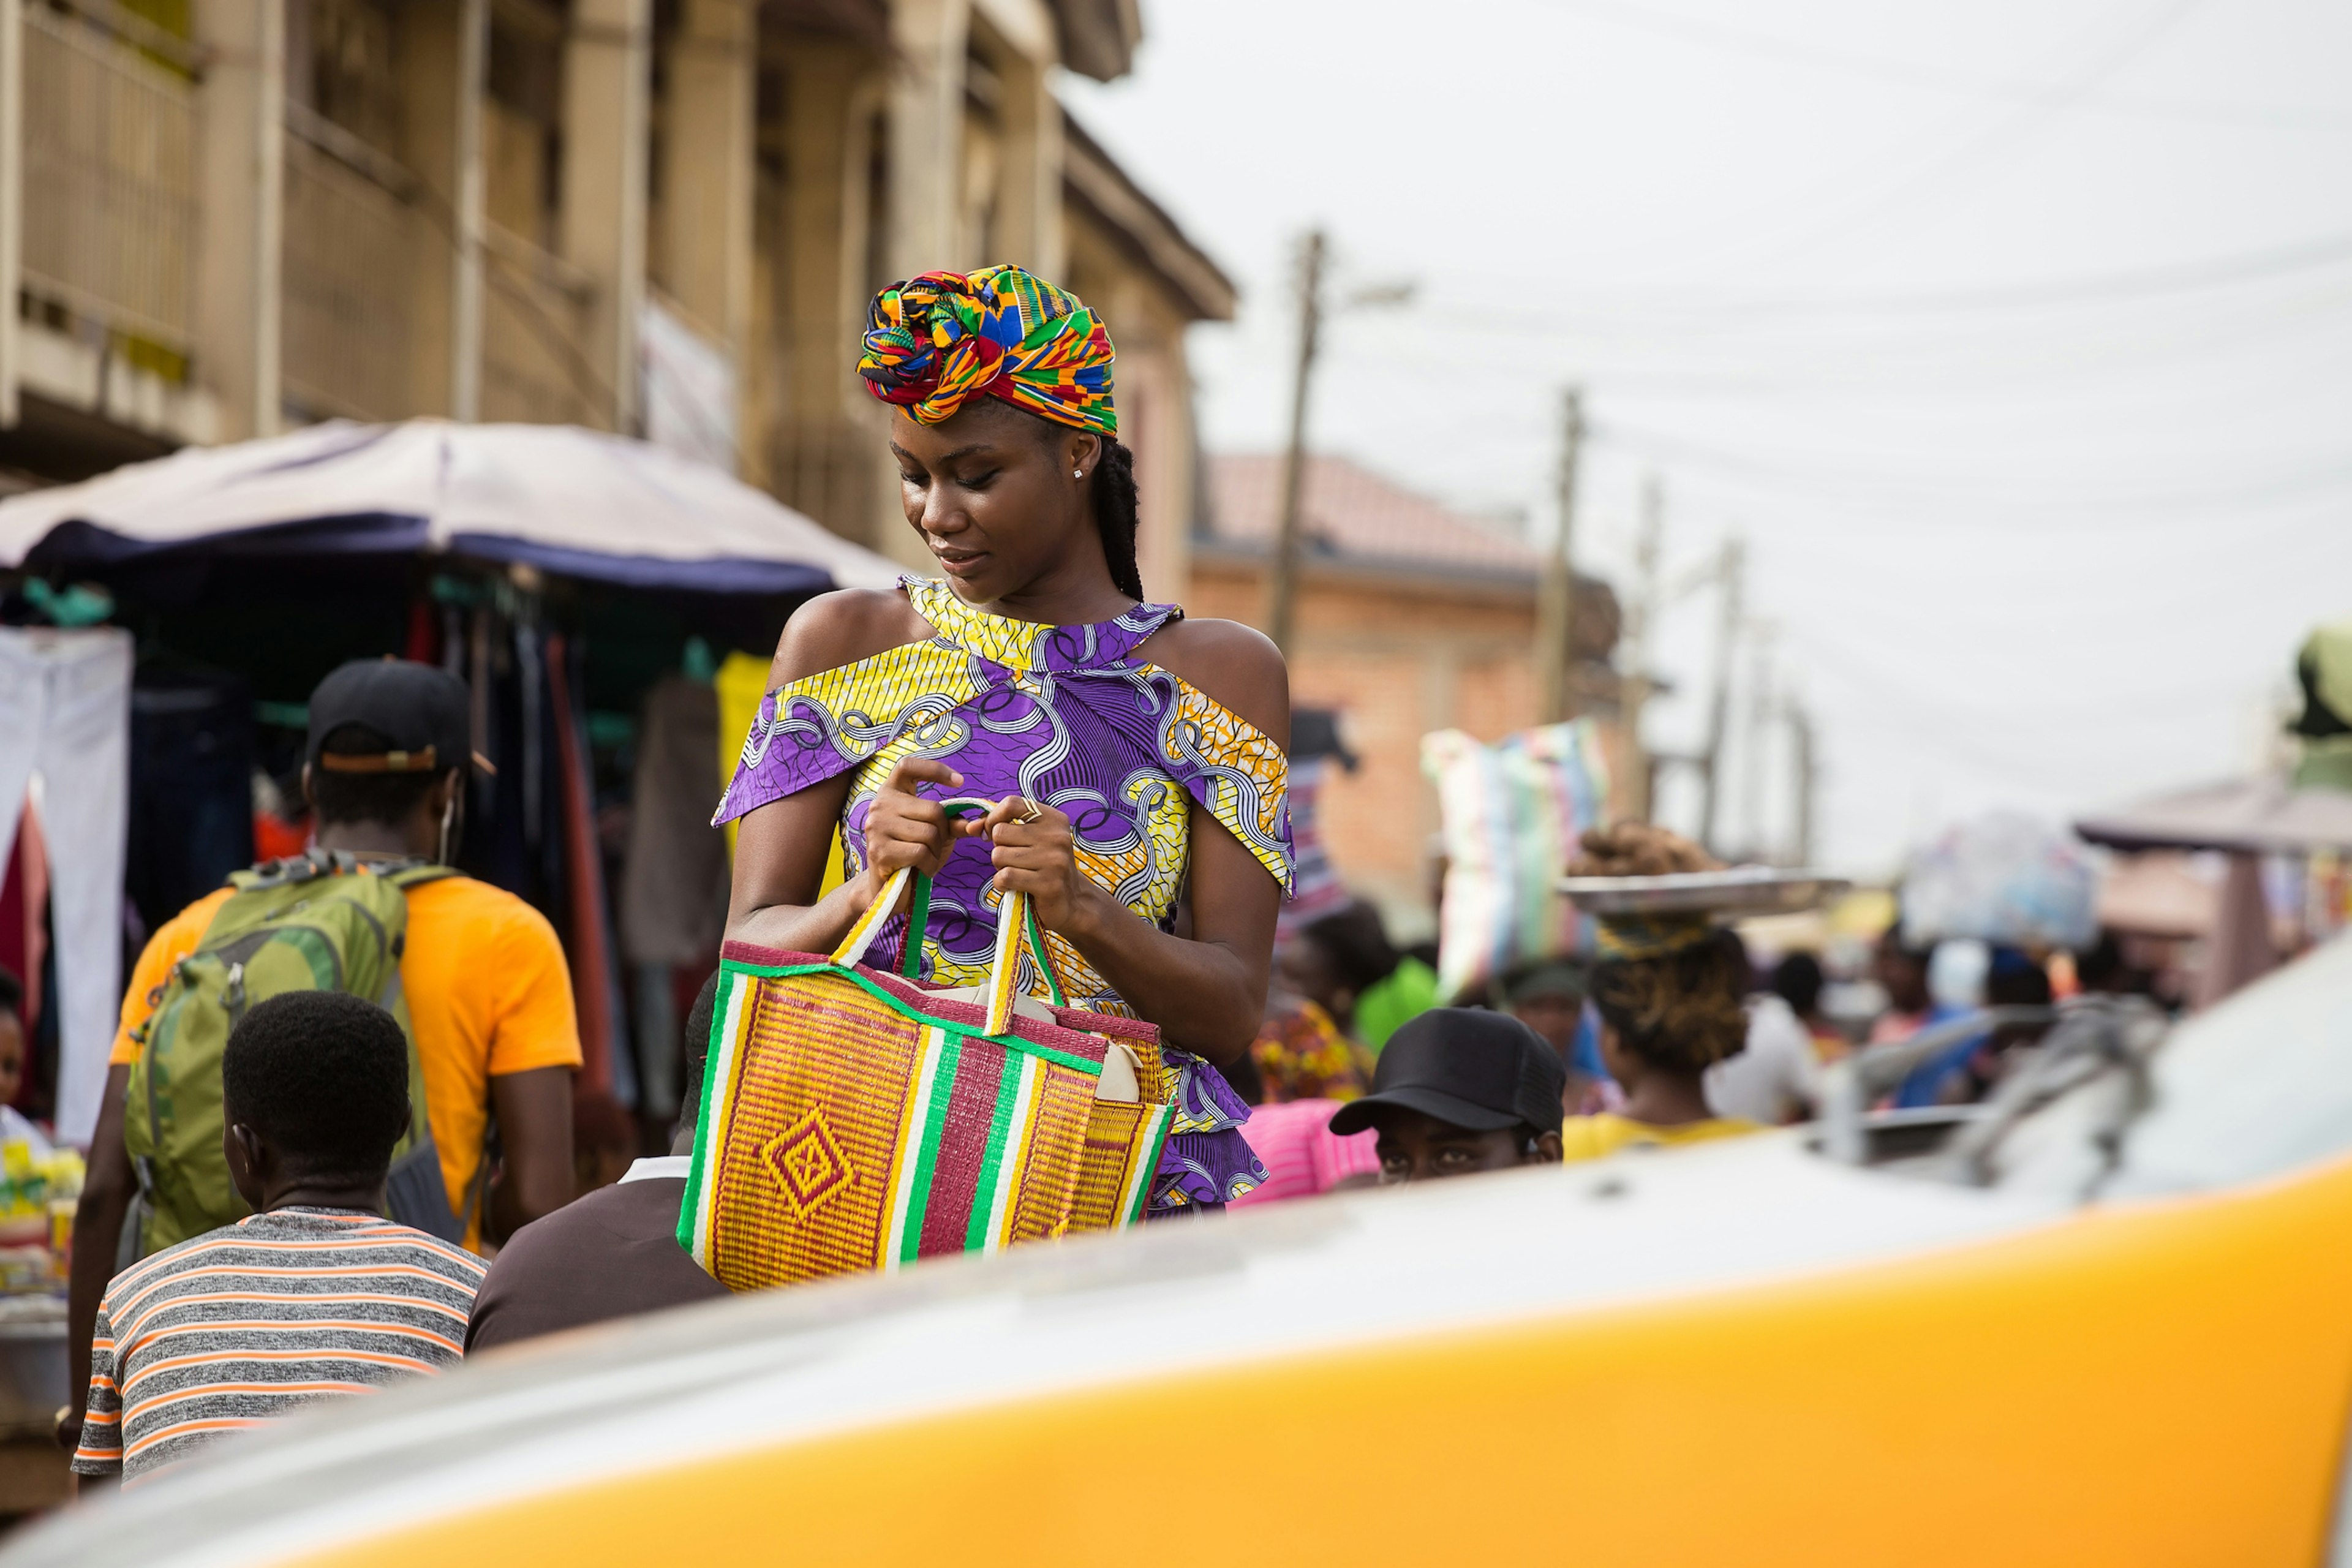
(927,1154)
(693,1210)
(900,1204)
(983,1221)
(918,922)
(1009,1040)
(1158,1119)
(1044,958)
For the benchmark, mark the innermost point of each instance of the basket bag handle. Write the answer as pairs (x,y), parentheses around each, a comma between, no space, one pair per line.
(1016,922)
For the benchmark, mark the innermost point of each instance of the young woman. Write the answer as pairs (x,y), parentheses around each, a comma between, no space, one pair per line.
(1135,758)
(1669,991)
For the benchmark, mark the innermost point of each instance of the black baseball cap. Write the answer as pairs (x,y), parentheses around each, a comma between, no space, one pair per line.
(420,710)
(1561,978)
(1482,1071)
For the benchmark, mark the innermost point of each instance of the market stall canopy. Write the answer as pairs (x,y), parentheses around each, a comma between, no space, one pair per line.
(2158,894)
(2264,815)
(552,496)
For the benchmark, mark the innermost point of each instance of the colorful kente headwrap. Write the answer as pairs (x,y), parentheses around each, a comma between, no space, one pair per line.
(1066,715)
(935,342)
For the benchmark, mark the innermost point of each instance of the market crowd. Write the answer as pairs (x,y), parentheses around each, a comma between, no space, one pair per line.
(341,1145)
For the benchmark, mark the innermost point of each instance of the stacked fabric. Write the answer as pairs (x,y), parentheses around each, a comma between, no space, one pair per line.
(2003,879)
(1511,814)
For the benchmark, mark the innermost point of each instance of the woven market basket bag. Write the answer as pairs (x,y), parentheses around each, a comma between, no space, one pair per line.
(856,1119)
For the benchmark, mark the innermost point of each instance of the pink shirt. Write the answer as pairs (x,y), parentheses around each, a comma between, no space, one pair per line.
(1293,1141)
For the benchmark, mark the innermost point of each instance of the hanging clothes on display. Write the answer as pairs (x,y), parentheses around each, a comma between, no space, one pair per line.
(504,840)
(741,686)
(65,714)
(595,983)
(24,916)
(673,904)
(481,678)
(673,877)
(191,786)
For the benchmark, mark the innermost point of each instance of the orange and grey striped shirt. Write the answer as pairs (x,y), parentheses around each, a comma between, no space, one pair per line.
(244,1323)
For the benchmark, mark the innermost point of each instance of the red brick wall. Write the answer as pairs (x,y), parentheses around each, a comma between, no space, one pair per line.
(1397,660)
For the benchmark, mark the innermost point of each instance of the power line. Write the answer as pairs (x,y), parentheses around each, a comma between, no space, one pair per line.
(1746,234)
(1912,73)
(2150,282)
(2328,477)
(1909,185)
(1931,377)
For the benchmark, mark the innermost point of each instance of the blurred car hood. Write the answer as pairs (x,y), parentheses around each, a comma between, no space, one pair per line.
(800,1365)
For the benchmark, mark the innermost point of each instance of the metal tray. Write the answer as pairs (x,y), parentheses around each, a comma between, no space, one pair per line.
(1740,890)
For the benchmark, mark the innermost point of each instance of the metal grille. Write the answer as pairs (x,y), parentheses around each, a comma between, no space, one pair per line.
(534,325)
(831,471)
(109,181)
(351,260)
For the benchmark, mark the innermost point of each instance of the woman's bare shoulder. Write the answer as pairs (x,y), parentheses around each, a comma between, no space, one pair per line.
(1235,666)
(842,627)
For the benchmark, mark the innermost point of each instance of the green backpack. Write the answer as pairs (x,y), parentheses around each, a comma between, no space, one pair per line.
(315,922)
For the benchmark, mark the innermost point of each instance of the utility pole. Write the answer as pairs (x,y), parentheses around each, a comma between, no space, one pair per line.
(1282,577)
(1727,639)
(467,214)
(12,197)
(1761,714)
(1636,690)
(1556,603)
(1800,742)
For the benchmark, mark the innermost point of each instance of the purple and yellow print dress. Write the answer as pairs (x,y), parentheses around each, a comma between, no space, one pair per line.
(1065,715)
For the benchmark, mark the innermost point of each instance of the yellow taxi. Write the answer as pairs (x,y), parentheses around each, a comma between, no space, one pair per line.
(2115,1327)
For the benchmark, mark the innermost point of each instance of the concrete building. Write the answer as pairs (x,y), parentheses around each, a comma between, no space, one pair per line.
(221,218)
(1411,618)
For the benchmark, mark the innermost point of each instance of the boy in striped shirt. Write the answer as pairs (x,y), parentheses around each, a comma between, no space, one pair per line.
(315,1295)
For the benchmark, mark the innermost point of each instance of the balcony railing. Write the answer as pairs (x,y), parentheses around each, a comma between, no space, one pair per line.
(110,161)
(535,311)
(831,469)
(352,245)
(112,223)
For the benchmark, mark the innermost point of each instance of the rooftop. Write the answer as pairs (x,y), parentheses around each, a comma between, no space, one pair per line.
(1093,178)
(1359,524)
(1350,513)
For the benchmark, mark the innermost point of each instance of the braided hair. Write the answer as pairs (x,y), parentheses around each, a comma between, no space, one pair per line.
(1115,515)
(1677,1012)
(1112,494)
(1682,1012)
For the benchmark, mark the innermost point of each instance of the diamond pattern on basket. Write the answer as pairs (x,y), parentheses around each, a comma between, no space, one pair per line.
(808,1164)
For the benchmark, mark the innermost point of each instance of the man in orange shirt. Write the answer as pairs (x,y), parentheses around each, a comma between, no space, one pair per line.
(489,994)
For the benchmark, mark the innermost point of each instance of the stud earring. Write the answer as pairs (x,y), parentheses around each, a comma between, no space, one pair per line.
(1078,473)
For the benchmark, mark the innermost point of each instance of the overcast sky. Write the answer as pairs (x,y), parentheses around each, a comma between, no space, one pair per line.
(2015,339)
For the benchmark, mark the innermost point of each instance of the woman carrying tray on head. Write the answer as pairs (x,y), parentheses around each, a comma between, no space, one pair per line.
(1135,758)
(1670,990)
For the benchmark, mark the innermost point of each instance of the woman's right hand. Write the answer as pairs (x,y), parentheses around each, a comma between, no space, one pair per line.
(903,829)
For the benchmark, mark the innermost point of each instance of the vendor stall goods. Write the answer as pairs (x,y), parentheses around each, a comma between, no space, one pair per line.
(65,715)
(1511,814)
(2005,878)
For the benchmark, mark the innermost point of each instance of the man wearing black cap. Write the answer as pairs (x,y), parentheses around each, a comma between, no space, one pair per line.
(1460,1090)
(484,978)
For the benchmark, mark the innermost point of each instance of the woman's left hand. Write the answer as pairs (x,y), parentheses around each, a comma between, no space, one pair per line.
(1034,852)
